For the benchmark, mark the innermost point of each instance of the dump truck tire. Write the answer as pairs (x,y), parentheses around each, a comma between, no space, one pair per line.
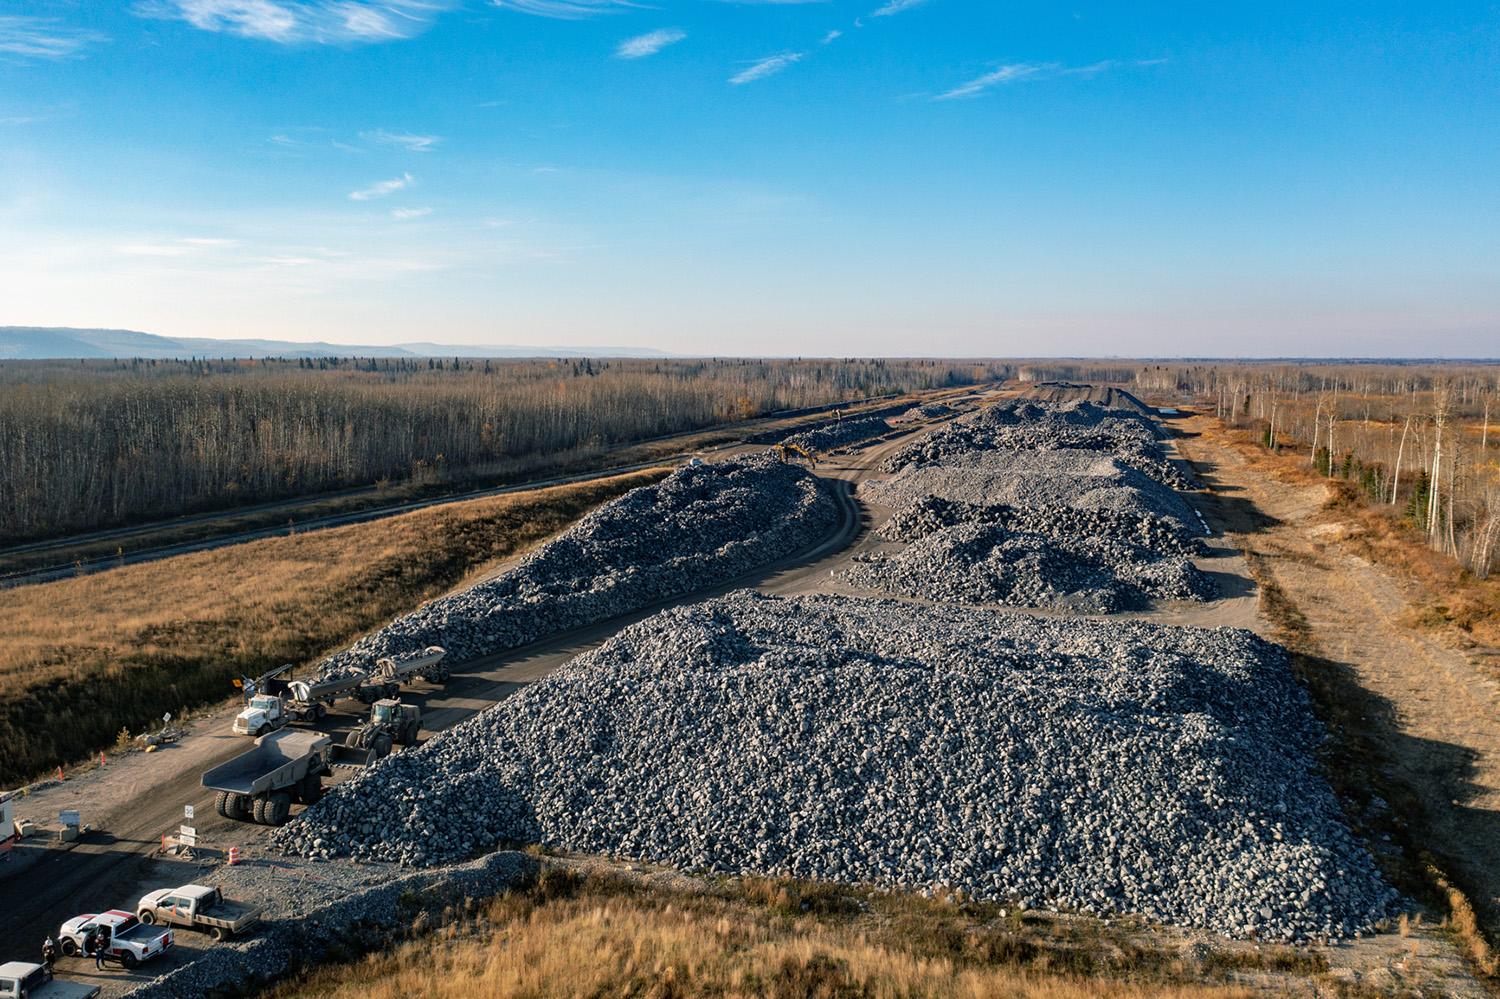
(259,811)
(320,711)
(240,807)
(312,789)
(278,809)
(382,746)
(221,804)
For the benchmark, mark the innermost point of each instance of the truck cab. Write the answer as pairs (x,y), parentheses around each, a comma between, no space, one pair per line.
(263,713)
(21,980)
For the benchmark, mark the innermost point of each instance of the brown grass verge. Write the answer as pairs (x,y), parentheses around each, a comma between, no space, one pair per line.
(80,659)
(601,934)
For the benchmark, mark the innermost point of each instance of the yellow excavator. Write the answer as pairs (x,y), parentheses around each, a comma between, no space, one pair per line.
(790,452)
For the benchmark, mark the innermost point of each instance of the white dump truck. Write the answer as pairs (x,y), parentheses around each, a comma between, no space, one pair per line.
(22,980)
(198,907)
(261,783)
(123,937)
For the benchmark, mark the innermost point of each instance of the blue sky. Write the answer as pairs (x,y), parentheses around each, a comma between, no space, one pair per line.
(912,176)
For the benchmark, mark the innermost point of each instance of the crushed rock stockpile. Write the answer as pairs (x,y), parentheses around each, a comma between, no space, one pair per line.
(1095,766)
(702,525)
(1023,425)
(1082,480)
(1106,396)
(1096,562)
(933,513)
(840,434)
(977,563)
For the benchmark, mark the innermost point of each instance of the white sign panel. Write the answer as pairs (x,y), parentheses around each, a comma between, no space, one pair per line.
(69,818)
(187,812)
(188,835)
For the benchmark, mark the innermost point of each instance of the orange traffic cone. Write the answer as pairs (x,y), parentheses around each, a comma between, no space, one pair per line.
(61,775)
(234,855)
(101,757)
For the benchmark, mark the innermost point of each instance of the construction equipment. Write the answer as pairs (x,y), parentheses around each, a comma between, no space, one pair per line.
(390,673)
(198,907)
(787,452)
(261,784)
(274,700)
(391,724)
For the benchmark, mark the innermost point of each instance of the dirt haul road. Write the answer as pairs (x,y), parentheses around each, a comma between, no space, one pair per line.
(1435,713)
(136,799)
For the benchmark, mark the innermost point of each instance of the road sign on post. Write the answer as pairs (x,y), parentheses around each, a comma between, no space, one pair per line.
(187,835)
(187,812)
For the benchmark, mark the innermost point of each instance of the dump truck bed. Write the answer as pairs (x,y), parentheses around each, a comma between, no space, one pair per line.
(276,761)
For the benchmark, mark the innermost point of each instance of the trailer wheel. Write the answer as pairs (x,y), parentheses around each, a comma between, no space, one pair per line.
(69,947)
(320,711)
(259,811)
(221,804)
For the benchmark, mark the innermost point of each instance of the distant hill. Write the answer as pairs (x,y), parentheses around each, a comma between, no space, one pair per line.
(64,343)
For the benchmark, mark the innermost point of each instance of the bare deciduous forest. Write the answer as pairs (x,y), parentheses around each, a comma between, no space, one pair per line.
(100,443)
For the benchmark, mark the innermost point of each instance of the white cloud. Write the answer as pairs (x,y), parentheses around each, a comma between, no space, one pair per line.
(410,213)
(766,67)
(289,22)
(181,247)
(650,43)
(896,7)
(208,242)
(1033,70)
(411,143)
(1005,74)
(570,10)
(381,189)
(43,37)
(832,36)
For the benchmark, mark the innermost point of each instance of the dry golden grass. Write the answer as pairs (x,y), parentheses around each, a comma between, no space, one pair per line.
(601,937)
(82,658)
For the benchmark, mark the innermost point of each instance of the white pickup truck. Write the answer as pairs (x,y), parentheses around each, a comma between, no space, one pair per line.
(199,907)
(20,980)
(129,942)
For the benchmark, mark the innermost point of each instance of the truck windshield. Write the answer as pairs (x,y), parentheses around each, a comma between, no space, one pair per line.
(382,713)
(263,702)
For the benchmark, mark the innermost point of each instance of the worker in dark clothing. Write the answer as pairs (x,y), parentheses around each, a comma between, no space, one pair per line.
(49,952)
(101,946)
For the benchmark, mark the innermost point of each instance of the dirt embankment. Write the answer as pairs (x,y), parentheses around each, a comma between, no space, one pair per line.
(1416,708)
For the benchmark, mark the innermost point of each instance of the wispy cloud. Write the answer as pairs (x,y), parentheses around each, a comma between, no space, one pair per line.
(896,7)
(181,247)
(383,188)
(410,213)
(832,36)
(570,10)
(43,37)
(411,143)
(1014,72)
(765,67)
(290,22)
(650,43)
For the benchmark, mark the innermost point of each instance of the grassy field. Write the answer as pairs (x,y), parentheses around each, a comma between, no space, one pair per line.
(596,935)
(80,659)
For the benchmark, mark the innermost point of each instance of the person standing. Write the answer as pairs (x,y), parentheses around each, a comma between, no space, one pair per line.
(49,952)
(101,945)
